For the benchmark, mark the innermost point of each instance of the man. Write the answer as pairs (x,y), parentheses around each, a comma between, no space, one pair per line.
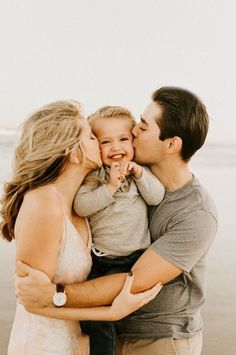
(183,226)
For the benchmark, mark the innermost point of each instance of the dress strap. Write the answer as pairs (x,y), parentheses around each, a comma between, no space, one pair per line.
(59,198)
(64,234)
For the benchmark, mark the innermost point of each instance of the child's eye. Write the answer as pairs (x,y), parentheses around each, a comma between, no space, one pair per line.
(104,142)
(124,139)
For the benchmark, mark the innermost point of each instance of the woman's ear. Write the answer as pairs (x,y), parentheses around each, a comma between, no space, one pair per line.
(75,156)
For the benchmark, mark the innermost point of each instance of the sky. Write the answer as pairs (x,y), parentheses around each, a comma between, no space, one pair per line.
(111,52)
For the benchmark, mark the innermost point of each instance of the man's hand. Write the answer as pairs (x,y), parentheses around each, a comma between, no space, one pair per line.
(34,289)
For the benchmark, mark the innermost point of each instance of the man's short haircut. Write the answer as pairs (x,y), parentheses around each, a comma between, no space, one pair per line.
(110,112)
(185,116)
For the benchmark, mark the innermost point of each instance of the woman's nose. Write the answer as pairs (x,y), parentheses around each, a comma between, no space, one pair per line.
(134,131)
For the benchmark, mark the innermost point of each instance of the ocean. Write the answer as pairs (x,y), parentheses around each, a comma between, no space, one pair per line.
(215,166)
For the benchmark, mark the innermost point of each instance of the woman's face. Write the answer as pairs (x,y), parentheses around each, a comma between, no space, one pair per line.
(89,146)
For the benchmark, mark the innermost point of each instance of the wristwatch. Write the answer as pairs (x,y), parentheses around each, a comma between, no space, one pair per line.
(59,298)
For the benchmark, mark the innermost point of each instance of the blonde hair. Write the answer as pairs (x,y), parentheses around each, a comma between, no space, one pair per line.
(47,138)
(110,112)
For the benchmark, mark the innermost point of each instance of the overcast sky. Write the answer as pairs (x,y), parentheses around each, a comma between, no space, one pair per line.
(117,52)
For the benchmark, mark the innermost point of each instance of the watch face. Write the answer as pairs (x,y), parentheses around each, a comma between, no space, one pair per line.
(59,299)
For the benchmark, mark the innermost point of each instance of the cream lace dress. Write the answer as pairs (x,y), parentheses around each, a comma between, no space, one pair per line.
(36,335)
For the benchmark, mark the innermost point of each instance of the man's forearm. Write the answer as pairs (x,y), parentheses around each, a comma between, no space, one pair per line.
(97,292)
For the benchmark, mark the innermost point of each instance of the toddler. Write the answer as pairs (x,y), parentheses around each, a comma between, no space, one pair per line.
(115,199)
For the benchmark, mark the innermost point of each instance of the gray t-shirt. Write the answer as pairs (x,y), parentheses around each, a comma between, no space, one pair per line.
(182,229)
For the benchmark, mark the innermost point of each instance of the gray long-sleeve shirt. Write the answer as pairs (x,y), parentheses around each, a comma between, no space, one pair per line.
(119,223)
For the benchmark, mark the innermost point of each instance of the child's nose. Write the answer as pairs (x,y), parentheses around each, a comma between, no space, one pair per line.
(115,146)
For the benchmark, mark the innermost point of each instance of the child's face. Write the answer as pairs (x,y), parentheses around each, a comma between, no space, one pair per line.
(115,140)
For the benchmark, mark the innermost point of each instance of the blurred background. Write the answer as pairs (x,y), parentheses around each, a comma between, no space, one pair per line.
(118,52)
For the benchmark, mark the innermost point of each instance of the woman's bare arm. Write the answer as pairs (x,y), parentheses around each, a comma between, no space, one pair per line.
(38,230)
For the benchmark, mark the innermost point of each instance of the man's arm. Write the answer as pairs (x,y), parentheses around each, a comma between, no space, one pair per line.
(148,270)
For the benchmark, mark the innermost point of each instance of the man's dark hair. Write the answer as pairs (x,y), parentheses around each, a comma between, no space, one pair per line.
(185,116)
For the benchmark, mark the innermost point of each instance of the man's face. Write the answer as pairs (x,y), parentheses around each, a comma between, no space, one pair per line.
(148,148)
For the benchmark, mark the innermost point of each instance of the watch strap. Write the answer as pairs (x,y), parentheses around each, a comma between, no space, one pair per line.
(60,288)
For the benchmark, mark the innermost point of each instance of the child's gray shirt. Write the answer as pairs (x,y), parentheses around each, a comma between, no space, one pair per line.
(119,223)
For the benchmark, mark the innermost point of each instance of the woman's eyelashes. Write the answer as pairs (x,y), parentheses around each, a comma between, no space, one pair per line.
(105,142)
(92,136)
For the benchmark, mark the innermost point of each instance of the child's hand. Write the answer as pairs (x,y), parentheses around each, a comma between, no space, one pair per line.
(116,178)
(131,167)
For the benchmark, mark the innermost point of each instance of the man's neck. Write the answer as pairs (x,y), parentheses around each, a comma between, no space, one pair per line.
(173,175)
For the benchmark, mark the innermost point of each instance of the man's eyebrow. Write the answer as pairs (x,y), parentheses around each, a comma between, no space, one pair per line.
(143,120)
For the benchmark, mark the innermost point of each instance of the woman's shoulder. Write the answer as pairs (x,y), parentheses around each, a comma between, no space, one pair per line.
(41,215)
(43,201)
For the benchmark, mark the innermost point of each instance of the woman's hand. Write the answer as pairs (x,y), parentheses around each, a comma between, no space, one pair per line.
(126,302)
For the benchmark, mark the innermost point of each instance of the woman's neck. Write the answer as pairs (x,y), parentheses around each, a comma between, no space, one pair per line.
(68,183)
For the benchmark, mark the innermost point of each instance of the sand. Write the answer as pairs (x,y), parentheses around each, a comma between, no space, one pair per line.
(219,313)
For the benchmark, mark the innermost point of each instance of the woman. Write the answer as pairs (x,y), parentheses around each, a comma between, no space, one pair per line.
(55,152)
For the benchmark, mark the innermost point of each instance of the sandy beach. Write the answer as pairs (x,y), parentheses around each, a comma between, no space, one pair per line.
(219,313)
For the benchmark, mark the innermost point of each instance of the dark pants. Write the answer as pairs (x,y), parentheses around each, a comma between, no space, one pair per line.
(102,334)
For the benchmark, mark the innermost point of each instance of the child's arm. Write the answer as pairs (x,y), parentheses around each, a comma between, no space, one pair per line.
(87,201)
(148,185)
(92,198)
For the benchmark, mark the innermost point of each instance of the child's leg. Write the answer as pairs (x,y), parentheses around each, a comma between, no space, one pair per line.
(85,324)
(102,338)
(102,334)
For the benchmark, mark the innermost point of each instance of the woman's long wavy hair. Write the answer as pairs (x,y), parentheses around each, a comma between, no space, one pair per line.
(47,138)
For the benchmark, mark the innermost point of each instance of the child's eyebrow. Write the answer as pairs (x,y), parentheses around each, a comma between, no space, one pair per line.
(143,120)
